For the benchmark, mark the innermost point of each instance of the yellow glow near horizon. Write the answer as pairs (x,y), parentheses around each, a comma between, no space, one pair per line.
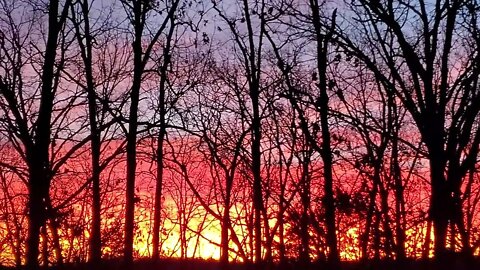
(203,238)
(205,245)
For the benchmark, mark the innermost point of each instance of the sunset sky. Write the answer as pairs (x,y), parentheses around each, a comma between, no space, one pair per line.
(252,131)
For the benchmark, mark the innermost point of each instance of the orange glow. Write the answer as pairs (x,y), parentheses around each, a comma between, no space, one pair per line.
(188,229)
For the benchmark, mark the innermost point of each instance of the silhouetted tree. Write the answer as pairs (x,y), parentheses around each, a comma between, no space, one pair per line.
(33,132)
(138,12)
(415,51)
(250,45)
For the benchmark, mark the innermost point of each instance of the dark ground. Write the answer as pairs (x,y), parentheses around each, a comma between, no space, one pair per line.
(194,264)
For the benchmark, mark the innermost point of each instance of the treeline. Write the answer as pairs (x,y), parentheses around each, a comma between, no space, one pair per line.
(300,130)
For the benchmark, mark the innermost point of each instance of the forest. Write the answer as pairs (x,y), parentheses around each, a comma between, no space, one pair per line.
(286,133)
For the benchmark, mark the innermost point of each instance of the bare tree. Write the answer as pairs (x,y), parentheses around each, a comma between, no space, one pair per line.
(323,42)
(444,106)
(138,13)
(34,133)
(95,144)
(250,48)
(322,36)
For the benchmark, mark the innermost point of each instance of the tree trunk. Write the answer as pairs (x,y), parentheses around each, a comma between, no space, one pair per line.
(376,236)
(18,247)
(131,171)
(53,226)
(399,201)
(224,236)
(281,229)
(426,245)
(326,150)
(253,73)
(368,223)
(36,215)
(439,207)
(56,241)
(95,237)
(304,250)
(457,218)
(160,142)
(460,223)
(257,179)
(131,148)
(38,148)
(95,242)
(226,221)
(158,191)
(440,222)
(389,241)
(45,254)
(38,157)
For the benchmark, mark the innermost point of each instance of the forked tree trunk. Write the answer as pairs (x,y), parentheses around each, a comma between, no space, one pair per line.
(38,146)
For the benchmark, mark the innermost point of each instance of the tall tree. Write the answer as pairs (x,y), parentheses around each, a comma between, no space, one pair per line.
(323,40)
(138,12)
(85,43)
(250,45)
(322,36)
(166,62)
(36,141)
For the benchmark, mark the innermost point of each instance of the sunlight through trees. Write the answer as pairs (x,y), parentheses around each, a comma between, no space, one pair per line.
(255,131)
